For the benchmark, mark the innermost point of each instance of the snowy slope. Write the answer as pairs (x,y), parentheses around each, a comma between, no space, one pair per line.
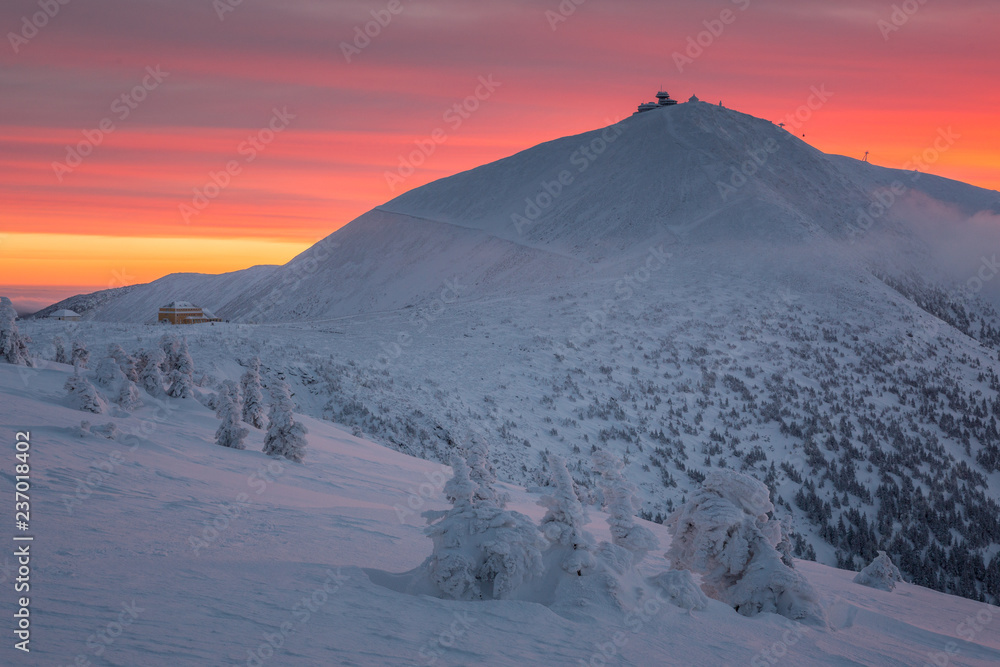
(659,172)
(116,580)
(384,261)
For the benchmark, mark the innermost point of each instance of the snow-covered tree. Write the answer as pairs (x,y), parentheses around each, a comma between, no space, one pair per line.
(182,371)
(619,498)
(230,432)
(151,378)
(13,345)
(481,550)
(80,355)
(82,394)
(125,361)
(681,589)
(482,472)
(253,396)
(285,437)
(60,346)
(881,573)
(107,373)
(168,343)
(563,523)
(122,391)
(784,545)
(724,533)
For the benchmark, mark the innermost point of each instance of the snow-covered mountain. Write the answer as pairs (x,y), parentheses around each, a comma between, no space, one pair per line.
(690,288)
(565,210)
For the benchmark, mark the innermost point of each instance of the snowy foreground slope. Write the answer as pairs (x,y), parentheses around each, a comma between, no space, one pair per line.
(116,581)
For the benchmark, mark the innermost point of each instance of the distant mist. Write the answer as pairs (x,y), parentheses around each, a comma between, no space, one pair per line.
(963,249)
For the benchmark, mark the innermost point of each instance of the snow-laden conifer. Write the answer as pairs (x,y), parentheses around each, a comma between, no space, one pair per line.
(110,377)
(724,533)
(182,371)
(620,502)
(285,437)
(253,396)
(151,377)
(481,550)
(80,355)
(564,521)
(125,361)
(13,345)
(881,573)
(82,394)
(60,345)
(230,432)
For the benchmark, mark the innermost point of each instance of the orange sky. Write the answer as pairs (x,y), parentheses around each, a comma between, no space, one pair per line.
(117,217)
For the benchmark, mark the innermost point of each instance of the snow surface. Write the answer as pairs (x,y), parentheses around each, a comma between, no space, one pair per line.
(113,522)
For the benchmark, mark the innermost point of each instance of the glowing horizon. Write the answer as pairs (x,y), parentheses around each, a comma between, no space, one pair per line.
(167,97)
